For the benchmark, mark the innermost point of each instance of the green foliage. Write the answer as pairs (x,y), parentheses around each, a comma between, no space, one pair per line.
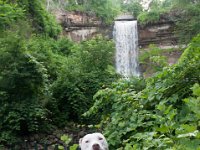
(134,7)
(109,96)
(185,15)
(97,53)
(77,82)
(154,12)
(42,21)
(50,53)
(159,61)
(153,59)
(9,14)
(23,89)
(161,115)
(66,139)
(34,11)
(187,23)
(45,81)
(64,46)
(74,147)
(53,55)
(73,6)
(106,10)
(152,51)
(149,17)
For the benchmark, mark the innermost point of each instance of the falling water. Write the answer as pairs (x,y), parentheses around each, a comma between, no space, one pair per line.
(126,40)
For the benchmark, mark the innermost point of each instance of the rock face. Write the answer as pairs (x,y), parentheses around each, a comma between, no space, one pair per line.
(125,17)
(80,26)
(160,34)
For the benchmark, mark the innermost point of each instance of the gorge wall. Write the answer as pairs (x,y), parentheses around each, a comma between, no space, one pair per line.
(160,33)
(80,26)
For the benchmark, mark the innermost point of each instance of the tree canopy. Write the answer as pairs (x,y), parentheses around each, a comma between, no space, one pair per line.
(48,81)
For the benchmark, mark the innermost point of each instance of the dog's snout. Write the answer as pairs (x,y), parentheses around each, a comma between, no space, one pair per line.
(96,147)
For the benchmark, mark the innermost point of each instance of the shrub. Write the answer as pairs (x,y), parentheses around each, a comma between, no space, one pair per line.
(159,116)
(149,17)
(23,89)
(133,7)
(85,72)
(153,59)
(42,20)
(9,14)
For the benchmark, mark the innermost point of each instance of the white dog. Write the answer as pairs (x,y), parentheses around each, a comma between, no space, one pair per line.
(94,141)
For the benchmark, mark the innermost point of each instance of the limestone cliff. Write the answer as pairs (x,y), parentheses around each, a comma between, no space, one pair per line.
(160,34)
(80,26)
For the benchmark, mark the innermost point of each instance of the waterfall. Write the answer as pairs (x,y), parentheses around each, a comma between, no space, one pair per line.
(126,41)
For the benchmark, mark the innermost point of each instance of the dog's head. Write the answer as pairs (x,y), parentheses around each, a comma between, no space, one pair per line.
(94,141)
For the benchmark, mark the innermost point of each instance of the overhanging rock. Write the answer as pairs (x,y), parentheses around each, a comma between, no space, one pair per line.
(125,18)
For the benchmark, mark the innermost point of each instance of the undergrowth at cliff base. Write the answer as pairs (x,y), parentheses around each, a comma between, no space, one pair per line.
(154,59)
(160,112)
(46,80)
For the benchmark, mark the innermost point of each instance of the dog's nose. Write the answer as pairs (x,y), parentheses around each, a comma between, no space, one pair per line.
(96,147)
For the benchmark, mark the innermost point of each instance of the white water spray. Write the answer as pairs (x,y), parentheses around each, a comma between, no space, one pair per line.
(126,40)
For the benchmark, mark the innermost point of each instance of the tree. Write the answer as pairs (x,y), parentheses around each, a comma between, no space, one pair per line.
(86,71)
(187,20)
(9,14)
(134,7)
(23,89)
(159,115)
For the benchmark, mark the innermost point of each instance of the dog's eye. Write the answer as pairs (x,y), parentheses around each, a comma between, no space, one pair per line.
(86,141)
(100,138)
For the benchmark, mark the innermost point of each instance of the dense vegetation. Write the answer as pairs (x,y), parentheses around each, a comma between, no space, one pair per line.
(185,14)
(47,81)
(161,112)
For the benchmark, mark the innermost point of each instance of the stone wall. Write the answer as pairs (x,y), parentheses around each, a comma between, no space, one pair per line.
(160,34)
(80,26)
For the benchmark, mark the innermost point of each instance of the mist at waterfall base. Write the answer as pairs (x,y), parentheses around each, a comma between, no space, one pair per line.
(126,40)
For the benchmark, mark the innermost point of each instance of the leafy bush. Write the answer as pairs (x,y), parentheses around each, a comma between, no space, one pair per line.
(185,15)
(51,53)
(157,9)
(28,69)
(85,72)
(187,22)
(149,17)
(153,59)
(23,89)
(134,7)
(9,14)
(42,21)
(158,116)
(106,10)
